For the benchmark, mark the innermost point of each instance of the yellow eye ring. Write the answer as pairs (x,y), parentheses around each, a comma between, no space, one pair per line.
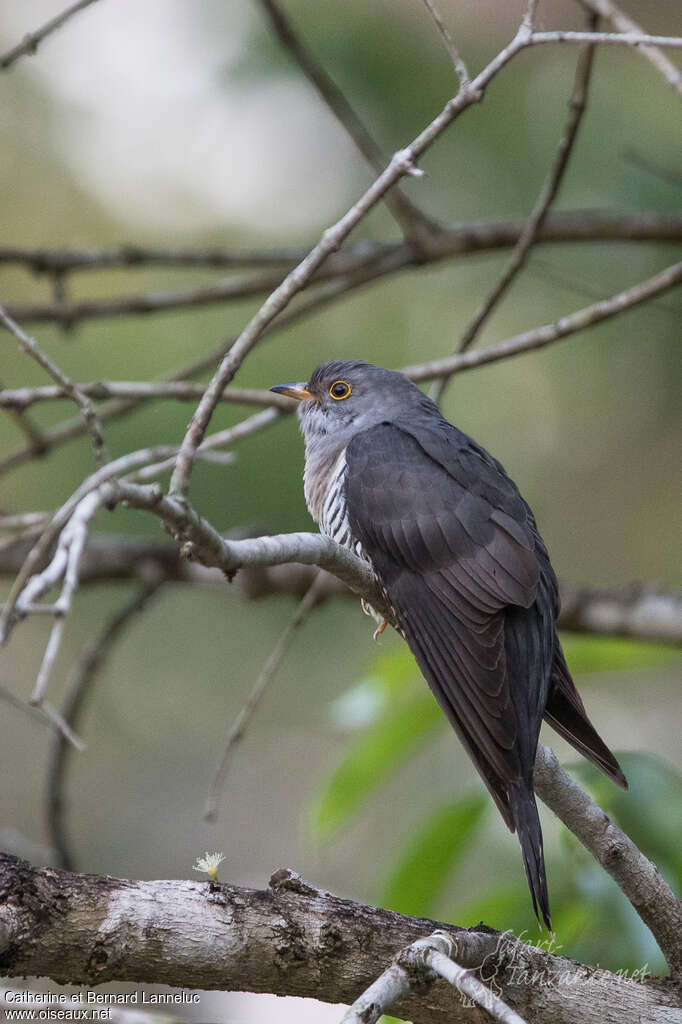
(339,390)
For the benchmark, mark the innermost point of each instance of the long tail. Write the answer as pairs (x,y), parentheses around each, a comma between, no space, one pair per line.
(527,822)
(565,712)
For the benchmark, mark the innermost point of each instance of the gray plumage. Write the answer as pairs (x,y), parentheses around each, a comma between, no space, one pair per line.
(457,552)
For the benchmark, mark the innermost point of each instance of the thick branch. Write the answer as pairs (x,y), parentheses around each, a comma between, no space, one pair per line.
(290,939)
(638,611)
(646,889)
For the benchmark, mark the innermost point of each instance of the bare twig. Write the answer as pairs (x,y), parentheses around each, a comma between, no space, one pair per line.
(90,662)
(450,45)
(645,888)
(634,39)
(408,216)
(241,721)
(548,194)
(528,23)
(358,265)
(624,23)
(32,348)
(172,508)
(403,162)
(27,427)
(538,337)
(415,968)
(21,398)
(30,43)
(639,611)
(454,240)
(77,511)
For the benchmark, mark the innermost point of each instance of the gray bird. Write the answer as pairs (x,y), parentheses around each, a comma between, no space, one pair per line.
(457,554)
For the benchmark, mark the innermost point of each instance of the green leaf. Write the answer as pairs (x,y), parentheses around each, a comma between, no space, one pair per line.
(371,758)
(393,677)
(432,856)
(609,654)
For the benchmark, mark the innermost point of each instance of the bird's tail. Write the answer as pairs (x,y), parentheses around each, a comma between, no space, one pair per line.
(527,822)
(565,712)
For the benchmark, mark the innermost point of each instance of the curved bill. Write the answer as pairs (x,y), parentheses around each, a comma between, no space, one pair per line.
(298,391)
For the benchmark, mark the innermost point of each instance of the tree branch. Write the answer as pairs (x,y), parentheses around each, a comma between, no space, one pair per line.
(241,721)
(645,888)
(408,216)
(624,23)
(637,611)
(548,193)
(414,969)
(92,657)
(403,162)
(290,939)
(30,43)
(538,337)
(452,241)
(33,349)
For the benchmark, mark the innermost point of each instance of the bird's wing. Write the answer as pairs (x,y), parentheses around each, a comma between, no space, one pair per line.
(454,545)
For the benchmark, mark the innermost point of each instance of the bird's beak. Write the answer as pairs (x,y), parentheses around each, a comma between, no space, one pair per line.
(298,391)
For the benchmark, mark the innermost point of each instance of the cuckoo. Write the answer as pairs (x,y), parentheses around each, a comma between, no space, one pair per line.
(458,558)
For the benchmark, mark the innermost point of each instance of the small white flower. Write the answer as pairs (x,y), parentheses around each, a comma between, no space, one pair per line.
(209,863)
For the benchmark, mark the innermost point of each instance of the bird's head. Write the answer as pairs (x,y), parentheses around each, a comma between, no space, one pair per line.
(345,396)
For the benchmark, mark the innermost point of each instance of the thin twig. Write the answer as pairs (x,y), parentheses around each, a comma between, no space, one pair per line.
(528,23)
(416,967)
(92,658)
(26,426)
(450,45)
(241,721)
(452,240)
(361,264)
(403,162)
(32,348)
(79,510)
(525,342)
(29,44)
(408,216)
(635,39)
(624,23)
(548,194)
(21,398)
(117,408)
(538,337)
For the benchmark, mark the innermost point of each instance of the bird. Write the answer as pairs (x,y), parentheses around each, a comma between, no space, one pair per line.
(458,558)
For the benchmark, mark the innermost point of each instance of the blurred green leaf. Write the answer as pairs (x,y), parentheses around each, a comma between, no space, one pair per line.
(611,654)
(394,675)
(432,855)
(371,758)
(650,812)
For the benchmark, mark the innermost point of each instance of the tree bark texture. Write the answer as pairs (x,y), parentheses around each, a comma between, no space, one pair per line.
(290,939)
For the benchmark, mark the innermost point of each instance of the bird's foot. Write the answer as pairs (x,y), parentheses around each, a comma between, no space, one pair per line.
(379,630)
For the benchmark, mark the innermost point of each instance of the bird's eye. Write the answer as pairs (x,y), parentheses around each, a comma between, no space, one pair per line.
(339,389)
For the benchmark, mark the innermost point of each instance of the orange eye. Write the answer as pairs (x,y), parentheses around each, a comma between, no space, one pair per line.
(339,389)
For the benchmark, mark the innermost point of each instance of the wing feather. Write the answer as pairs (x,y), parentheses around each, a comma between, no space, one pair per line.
(457,550)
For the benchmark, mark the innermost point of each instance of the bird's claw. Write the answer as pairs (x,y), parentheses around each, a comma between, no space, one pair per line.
(379,630)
